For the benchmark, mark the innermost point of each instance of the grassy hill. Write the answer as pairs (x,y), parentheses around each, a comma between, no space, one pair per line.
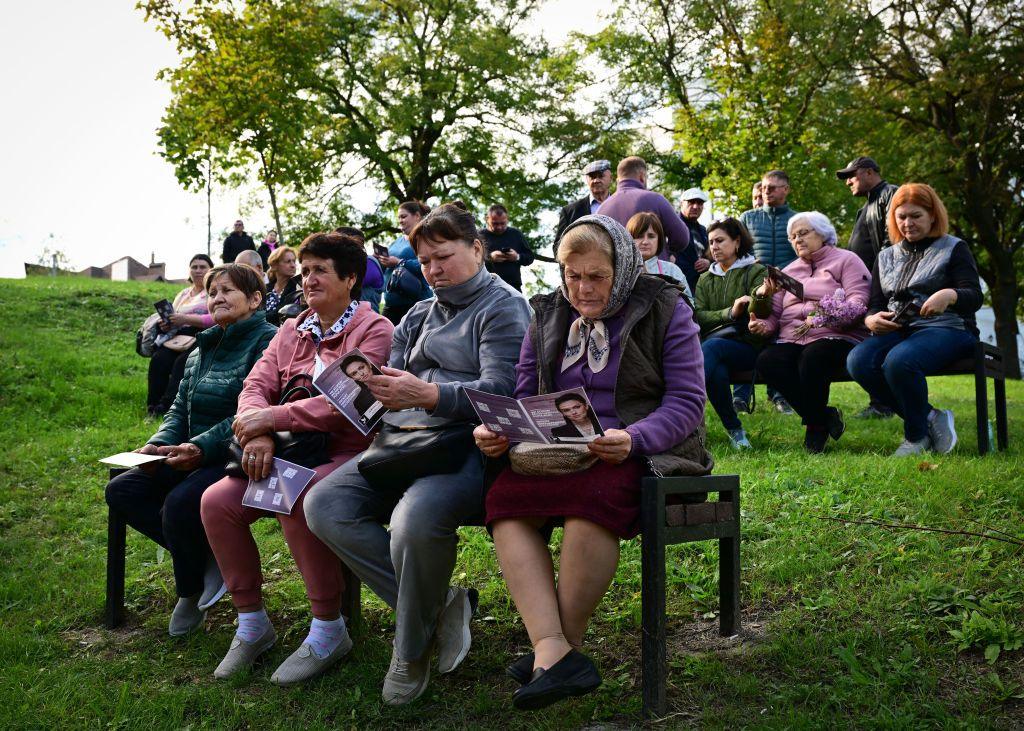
(846,625)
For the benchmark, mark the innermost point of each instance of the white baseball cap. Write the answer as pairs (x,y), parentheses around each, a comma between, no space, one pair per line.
(695,194)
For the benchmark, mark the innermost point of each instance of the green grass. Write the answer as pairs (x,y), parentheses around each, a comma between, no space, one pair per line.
(846,625)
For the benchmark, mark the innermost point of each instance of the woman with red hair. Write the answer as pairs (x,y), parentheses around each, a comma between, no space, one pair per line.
(924,293)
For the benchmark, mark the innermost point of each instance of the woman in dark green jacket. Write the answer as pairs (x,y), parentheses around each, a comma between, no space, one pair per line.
(721,306)
(161,499)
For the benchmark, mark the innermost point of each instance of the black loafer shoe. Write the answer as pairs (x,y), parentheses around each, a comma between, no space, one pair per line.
(521,670)
(573,675)
(834,422)
(814,440)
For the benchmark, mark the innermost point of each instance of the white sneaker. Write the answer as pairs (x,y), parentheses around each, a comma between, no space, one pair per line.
(406,680)
(941,430)
(908,448)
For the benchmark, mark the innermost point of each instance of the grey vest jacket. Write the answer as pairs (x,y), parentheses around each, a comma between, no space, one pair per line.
(640,380)
(908,272)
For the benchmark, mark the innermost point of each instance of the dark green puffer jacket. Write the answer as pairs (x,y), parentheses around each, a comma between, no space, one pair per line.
(208,395)
(717,291)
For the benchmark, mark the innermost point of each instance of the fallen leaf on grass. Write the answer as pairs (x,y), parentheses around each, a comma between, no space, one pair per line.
(927,466)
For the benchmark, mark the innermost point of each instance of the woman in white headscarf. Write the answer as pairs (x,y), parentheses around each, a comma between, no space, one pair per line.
(629,340)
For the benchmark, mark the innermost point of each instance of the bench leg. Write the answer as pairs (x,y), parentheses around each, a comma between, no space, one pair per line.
(728,586)
(1002,430)
(653,608)
(351,604)
(981,405)
(116,533)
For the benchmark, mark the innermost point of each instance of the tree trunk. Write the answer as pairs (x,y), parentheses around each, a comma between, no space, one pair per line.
(1005,294)
(209,211)
(268,180)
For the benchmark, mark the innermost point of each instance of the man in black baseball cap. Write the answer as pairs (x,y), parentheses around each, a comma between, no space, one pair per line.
(870,235)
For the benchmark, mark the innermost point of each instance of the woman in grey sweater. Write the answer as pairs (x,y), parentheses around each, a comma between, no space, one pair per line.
(468,335)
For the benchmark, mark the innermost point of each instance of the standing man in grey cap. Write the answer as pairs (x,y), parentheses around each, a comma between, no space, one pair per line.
(690,209)
(870,234)
(598,178)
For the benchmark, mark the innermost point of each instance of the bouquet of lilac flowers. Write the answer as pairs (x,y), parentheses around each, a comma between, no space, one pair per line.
(835,311)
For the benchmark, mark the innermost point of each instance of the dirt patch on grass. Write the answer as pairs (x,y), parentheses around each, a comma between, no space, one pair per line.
(702,635)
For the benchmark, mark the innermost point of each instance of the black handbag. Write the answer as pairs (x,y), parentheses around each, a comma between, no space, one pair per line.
(305,448)
(405,282)
(400,455)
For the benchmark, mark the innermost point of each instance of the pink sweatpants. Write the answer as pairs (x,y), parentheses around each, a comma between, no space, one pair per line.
(227,523)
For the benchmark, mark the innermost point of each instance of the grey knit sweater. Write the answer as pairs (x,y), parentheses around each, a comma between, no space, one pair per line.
(467,335)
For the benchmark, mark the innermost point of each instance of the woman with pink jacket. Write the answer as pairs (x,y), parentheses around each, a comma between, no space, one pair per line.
(332,267)
(815,332)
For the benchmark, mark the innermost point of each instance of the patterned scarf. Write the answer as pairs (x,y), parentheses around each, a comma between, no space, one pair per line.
(312,323)
(627,266)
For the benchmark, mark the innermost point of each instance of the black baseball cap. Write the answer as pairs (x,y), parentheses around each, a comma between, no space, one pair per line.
(861,163)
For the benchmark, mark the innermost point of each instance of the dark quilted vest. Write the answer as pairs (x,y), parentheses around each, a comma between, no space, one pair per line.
(640,380)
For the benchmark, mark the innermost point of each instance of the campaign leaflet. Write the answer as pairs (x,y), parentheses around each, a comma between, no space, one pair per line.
(343,382)
(566,417)
(132,459)
(279,492)
(794,286)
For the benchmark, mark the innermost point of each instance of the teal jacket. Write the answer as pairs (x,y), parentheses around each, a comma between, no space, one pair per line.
(768,227)
(717,290)
(207,397)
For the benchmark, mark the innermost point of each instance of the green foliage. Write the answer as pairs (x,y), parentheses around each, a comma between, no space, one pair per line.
(845,626)
(929,88)
(440,98)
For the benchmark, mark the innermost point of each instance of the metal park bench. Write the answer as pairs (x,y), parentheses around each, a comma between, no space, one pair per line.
(113,612)
(987,362)
(663,524)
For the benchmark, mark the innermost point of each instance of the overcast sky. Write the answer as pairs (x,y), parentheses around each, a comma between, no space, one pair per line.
(78,151)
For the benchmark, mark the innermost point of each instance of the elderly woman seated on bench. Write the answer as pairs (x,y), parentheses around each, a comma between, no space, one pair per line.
(924,294)
(629,339)
(812,342)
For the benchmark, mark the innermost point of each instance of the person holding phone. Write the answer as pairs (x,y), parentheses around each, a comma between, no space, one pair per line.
(161,500)
(924,293)
(806,353)
(189,315)
(404,284)
(507,249)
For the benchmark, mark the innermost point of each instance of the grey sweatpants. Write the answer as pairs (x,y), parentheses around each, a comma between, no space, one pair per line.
(410,564)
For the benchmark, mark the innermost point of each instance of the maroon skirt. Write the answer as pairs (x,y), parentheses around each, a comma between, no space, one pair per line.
(606,494)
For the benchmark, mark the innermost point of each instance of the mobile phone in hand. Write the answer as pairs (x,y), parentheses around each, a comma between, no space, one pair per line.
(906,312)
(165,309)
(381,250)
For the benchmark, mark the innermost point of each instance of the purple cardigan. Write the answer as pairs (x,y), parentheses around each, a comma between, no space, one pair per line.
(631,197)
(682,406)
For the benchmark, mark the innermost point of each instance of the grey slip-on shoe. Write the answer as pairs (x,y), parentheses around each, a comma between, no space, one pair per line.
(241,655)
(304,664)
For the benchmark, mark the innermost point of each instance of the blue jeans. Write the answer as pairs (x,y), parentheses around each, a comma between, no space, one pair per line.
(893,367)
(721,356)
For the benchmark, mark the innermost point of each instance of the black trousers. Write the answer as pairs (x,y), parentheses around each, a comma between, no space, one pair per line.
(166,369)
(164,506)
(395,314)
(802,374)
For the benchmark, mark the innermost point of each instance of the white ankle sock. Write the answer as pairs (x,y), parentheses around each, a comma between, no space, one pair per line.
(324,637)
(252,625)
